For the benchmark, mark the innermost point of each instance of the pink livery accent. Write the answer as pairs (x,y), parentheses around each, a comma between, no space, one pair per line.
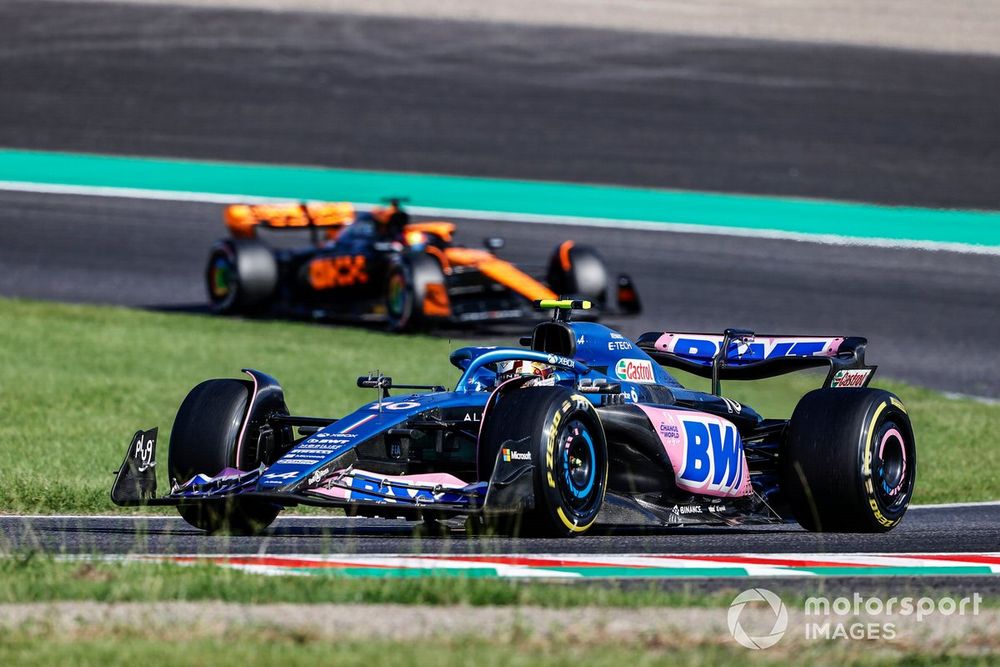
(706,451)
(429,481)
(705,346)
(333,492)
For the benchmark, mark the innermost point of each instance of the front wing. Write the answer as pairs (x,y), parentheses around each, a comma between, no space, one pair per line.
(509,489)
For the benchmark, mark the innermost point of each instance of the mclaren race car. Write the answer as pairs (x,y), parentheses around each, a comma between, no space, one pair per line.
(380,265)
(578,426)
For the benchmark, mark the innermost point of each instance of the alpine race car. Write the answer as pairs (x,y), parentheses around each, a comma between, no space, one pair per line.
(577,426)
(380,265)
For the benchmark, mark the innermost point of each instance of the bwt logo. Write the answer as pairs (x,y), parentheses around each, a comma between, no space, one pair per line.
(706,349)
(714,452)
(381,492)
(635,370)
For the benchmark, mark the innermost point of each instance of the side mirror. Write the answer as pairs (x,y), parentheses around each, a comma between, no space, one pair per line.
(494,243)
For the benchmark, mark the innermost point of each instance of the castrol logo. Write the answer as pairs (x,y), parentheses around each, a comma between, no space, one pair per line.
(635,370)
(850,379)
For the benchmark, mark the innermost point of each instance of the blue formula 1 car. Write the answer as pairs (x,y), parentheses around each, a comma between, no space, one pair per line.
(579,426)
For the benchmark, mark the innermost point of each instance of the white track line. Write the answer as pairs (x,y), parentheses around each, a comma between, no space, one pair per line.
(949,506)
(504,216)
(136,193)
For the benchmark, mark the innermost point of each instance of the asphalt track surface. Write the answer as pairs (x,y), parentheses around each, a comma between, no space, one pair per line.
(961,529)
(893,126)
(924,313)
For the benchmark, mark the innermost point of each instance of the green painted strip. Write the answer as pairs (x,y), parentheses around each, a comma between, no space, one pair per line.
(902,571)
(796,216)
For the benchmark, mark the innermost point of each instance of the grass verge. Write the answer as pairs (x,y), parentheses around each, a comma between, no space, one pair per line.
(77,381)
(39,578)
(248,647)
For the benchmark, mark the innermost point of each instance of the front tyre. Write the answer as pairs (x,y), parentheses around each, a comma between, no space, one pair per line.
(568,450)
(204,439)
(415,293)
(848,463)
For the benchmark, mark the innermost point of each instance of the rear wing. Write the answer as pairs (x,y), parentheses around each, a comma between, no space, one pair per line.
(749,356)
(243,220)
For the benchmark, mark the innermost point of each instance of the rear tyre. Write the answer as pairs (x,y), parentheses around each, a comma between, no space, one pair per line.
(578,271)
(204,440)
(407,288)
(848,463)
(241,276)
(568,451)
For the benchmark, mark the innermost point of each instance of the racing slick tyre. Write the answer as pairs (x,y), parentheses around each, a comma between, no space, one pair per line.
(568,451)
(848,462)
(241,276)
(578,271)
(203,440)
(414,283)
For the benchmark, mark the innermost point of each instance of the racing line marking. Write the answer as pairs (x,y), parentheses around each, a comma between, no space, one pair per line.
(137,193)
(951,506)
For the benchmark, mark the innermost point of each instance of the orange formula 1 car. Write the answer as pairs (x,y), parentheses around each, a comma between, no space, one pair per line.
(380,265)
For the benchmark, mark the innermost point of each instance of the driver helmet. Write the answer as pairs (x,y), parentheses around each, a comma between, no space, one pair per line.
(391,220)
(508,370)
